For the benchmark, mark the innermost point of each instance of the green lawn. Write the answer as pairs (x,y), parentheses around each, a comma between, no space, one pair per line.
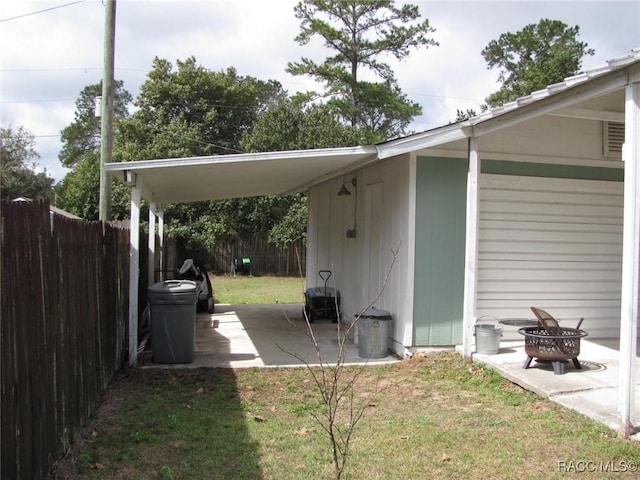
(432,416)
(262,289)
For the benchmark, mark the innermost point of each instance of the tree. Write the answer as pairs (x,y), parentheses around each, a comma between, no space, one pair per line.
(292,227)
(18,161)
(360,32)
(82,136)
(531,59)
(462,115)
(192,111)
(78,193)
(336,386)
(295,124)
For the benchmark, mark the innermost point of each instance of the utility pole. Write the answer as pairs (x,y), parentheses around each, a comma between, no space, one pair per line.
(106,125)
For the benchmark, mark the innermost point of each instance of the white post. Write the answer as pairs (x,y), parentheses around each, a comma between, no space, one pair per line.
(151,246)
(134,271)
(471,249)
(630,263)
(161,241)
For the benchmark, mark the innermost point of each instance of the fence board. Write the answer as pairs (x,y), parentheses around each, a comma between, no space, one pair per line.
(266,258)
(64,316)
(64,321)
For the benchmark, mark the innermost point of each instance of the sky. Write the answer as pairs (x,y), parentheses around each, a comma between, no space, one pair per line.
(50,50)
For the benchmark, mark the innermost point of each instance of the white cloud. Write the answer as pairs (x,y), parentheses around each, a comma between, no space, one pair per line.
(48,58)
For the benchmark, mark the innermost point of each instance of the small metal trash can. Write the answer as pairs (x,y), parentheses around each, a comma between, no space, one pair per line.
(173,319)
(373,333)
(487,338)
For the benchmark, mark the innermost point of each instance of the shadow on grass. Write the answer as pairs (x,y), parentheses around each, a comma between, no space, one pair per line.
(168,424)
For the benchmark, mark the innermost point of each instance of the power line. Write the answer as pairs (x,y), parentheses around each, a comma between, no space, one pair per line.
(54,100)
(41,11)
(61,69)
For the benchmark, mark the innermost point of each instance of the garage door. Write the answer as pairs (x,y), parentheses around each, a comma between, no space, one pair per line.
(552,243)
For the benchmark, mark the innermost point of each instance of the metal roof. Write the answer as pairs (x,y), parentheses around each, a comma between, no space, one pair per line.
(569,82)
(193,179)
(595,94)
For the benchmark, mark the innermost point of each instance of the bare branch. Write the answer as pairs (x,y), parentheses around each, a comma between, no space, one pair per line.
(337,392)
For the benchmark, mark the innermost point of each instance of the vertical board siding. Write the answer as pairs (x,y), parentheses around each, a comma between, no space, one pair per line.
(551,243)
(62,329)
(440,246)
(331,215)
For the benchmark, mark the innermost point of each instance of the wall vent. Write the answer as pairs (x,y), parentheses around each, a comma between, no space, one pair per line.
(613,139)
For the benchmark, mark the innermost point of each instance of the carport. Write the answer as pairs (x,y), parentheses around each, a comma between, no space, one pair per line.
(585,97)
(183,180)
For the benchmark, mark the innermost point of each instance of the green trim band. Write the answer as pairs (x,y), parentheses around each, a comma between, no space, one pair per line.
(530,169)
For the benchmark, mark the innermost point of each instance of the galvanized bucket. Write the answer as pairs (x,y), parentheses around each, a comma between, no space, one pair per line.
(487,338)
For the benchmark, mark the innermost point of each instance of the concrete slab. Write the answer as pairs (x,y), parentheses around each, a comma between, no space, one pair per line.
(244,336)
(592,390)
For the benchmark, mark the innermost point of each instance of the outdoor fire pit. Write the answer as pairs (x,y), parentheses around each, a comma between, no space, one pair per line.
(556,348)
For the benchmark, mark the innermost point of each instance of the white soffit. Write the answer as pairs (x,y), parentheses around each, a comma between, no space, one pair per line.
(239,175)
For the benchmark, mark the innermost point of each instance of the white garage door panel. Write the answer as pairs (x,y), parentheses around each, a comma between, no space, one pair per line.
(610,241)
(545,211)
(551,243)
(551,275)
(570,196)
(562,251)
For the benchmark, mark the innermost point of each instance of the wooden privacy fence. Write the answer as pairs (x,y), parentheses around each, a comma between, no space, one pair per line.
(63,329)
(266,258)
(64,301)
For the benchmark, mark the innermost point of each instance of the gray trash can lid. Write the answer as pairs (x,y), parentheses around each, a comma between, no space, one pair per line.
(173,286)
(173,291)
(376,313)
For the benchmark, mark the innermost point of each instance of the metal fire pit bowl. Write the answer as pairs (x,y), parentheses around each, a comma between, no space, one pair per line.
(556,348)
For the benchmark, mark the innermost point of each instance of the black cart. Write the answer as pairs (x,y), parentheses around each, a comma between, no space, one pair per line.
(322,302)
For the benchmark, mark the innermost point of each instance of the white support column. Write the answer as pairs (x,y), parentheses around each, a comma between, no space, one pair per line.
(160,214)
(134,271)
(471,249)
(151,246)
(630,263)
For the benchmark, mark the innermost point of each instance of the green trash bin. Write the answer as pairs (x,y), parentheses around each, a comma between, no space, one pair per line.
(373,333)
(173,320)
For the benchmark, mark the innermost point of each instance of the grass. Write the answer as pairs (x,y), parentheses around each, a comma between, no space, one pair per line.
(433,416)
(255,290)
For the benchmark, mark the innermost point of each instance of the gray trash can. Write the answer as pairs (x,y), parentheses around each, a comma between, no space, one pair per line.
(373,333)
(173,320)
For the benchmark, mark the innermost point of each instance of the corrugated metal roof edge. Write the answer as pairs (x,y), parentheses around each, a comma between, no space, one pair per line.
(446,133)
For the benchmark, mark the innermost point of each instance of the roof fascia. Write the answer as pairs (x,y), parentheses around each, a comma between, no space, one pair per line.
(140,165)
(432,138)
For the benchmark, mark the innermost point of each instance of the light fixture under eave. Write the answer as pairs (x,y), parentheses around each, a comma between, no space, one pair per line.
(344,190)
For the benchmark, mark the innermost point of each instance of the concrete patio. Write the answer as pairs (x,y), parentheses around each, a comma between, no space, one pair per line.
(591,390)
(245,336)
